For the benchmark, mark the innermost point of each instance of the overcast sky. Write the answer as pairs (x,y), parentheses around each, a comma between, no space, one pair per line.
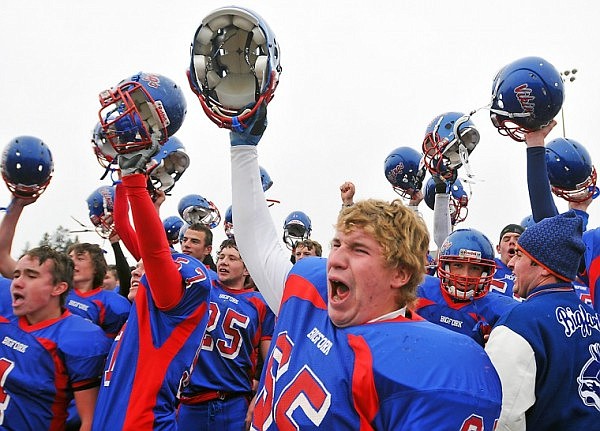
(360,78)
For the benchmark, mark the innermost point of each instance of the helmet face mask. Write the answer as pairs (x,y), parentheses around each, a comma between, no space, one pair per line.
(466,246)
(296,227)
(103,151)
(228,223)
(100,206)
(140,109)
(403,170)
(196,209)
(459,199)
(448,138)
(234,65)
(571,173)
(526,95)
(168,165)
(27,166)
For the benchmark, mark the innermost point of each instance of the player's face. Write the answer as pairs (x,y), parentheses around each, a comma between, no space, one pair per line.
(83,273)
(34,293)
(301,252)
(507,246)
(134,284)
(194,244)
(527,274)
(230,268)
(467,275)
(360,287)
(110,281)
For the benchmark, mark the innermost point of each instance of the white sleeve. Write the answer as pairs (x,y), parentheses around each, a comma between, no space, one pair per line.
(267,261)
(442,226)
(514,360)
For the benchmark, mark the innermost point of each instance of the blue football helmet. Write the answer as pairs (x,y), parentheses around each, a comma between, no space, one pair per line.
(173,225)
(296,227)
(526,95)
(104,152)
(168,165)
(141,108)
(234,65)
(570,170)
(101,204)
(403,170)
(228,223)
(182,231)
(527,221)
(466,246)
(196,209)
(27,166)
(431,266)
(459,199)
(449,139)
(265,179)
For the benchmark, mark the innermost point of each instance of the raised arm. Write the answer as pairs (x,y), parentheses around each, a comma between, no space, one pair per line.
(7,234)
(540,195)
(266,259)
(162,273)
(123,270)
(122,225)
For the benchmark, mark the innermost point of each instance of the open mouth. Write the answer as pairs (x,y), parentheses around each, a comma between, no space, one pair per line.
(339,291)
(18,299)
(511,252)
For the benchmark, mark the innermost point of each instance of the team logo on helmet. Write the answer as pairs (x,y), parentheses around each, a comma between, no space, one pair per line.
(525,97)
(589,379)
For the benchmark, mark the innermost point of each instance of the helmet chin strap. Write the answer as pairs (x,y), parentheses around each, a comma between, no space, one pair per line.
(464,158)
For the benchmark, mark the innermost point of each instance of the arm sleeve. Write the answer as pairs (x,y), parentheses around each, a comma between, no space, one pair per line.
(441,218)
(514,360)
(8,227)
(264,256)
(540,195)
(163,276)
(122,225)
(123,271)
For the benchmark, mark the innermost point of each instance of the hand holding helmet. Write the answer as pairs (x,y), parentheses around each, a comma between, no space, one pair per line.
(251,132)
(526,95)
(27,166)
(234,66)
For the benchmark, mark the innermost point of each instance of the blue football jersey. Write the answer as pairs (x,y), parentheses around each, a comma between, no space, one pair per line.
(105,308)
(474,318)
(153,354)
(504,281)
(399,374)
(41,365)
(239,320)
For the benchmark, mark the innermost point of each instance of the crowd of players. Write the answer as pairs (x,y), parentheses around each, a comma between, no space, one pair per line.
(400,337)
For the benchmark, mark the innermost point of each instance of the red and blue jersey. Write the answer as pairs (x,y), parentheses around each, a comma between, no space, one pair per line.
(504,281)
(6,309)
(591,276)
(397,374)
(42,364)
(105,308)
(239,320)
(474,318)
(152,354)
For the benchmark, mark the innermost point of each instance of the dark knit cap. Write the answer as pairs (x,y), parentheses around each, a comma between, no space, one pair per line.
(556,244)
(511,228)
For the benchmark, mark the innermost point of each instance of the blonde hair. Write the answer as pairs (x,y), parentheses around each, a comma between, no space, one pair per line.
(401,233)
